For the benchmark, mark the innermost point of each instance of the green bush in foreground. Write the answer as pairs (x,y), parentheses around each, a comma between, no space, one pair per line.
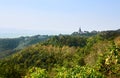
(36,73)
(76,72)
(109,62)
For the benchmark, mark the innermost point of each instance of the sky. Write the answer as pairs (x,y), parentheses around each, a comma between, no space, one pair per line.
(30,17)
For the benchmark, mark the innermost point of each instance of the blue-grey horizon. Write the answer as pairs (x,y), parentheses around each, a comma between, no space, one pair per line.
(30,17)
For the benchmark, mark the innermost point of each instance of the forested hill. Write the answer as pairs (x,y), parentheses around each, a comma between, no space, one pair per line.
(93,33)
(11,45)
(67,56)
(80,40)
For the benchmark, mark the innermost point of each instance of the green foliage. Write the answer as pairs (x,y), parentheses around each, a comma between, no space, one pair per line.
(109,35)
(9,46)
(61,40)
(117,41)
(78,72)
(45,57)
(75,72)
(35,72)
(109,63)
(10,71)
(65,56)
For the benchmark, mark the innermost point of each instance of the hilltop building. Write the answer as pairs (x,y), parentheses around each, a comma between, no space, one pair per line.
(84,33)
(80,31)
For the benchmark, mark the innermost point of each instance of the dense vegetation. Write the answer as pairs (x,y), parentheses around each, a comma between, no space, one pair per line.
(67,56)
(9,46)
(67,40)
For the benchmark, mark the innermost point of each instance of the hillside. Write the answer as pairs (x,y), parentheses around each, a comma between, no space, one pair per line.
(10,45)
(67,56)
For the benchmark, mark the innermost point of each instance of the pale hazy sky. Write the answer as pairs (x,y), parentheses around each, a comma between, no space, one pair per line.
(29,17)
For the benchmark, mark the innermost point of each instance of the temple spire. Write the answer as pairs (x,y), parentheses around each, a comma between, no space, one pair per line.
(80,31)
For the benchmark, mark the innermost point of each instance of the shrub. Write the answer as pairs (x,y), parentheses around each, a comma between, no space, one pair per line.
(78,72)
(36,73)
